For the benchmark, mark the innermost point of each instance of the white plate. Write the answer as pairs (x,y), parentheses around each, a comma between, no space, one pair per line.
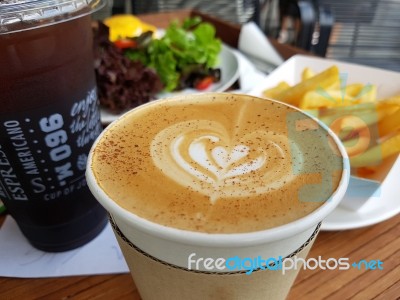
(229,65)
(375,212)
(386,202)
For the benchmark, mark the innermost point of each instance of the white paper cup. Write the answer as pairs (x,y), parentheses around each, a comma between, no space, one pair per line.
(156,279)
(174,246)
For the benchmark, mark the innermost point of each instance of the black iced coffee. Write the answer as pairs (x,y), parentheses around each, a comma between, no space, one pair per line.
(49,118)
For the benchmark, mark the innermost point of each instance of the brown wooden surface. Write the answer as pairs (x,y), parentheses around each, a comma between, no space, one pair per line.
(380,241)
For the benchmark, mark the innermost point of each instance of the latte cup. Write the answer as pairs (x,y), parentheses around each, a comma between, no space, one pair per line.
(197,255)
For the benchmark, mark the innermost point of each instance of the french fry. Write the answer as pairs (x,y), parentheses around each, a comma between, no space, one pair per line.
(389,123)
(376,154)
(307,73)
(276,90)
(389,105)
(354,117)
(321,99)
(368,127)
(354,89)
(371,112)
(352,109)
(367,94)
(381,120)
(322,80)
(351,95)
(395,100)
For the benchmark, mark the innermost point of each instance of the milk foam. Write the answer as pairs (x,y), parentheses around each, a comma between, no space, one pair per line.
(217,163)
(201,155)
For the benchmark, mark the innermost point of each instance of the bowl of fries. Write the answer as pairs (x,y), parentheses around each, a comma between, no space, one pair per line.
(361,105)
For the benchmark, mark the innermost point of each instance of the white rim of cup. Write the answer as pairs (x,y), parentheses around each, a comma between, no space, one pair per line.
(222,239)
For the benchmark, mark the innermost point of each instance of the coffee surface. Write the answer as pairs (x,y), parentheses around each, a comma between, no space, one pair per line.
(217,163)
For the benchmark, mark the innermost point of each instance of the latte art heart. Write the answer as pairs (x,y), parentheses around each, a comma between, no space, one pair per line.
(219,163)
(202,155)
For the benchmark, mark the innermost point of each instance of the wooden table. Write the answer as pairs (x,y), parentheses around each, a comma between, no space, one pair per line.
(378,242)
(381,241)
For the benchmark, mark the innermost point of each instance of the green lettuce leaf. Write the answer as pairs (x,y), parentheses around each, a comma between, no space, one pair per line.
(184,45)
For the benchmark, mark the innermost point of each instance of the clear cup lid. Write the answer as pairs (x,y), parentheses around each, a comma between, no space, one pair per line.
(17,15)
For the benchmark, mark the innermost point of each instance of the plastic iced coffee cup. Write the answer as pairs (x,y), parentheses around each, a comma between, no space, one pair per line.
(209,193)
(49,118)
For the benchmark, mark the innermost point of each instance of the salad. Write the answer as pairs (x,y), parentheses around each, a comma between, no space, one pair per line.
(121,83)
(184,57)
(132,65)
